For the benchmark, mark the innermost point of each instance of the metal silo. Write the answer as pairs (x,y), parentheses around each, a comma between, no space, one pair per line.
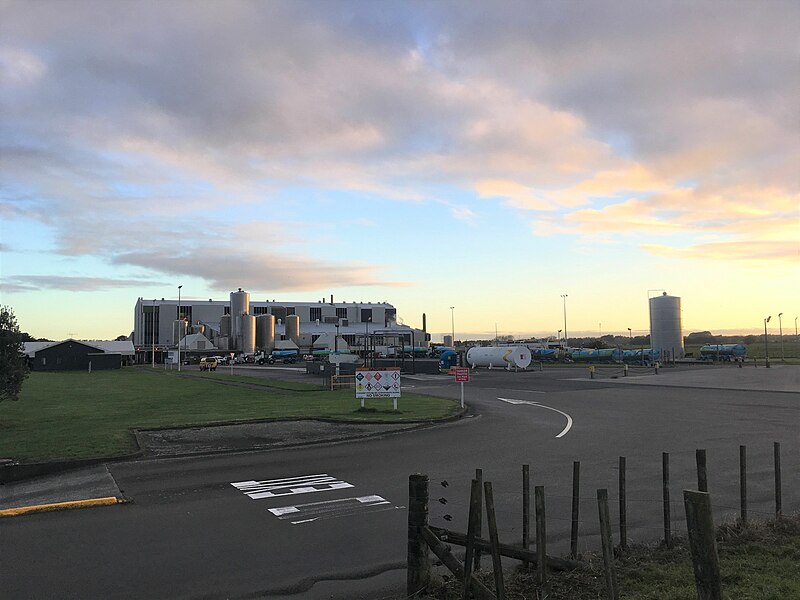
(293,328)
(248,334)
(225,325)
(666,333)
(265,332)
(240,305)
(178,330)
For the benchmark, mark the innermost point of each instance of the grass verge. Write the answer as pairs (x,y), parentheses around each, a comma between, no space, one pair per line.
(77,415)
(760,562)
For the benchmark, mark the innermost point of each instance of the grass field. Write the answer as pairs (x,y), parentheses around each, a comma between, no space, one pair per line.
(791,350)
(761,562)
(77,415)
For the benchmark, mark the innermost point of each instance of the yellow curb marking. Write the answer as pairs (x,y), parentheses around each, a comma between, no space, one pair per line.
(24,510)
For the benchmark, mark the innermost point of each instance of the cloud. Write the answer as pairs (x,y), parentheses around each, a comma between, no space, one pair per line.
(597,119)
(752,251)
(30,283)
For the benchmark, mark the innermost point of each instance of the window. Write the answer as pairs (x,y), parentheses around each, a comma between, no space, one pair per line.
(226,310)
(315,313)
(44,360)
(341,313)
(260,310)
(366,315)
(289,310)
(314,338)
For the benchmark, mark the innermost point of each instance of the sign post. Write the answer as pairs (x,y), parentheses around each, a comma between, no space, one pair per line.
(378,383)
(462,375)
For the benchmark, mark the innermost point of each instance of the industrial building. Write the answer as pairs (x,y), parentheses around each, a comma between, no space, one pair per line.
(244,326)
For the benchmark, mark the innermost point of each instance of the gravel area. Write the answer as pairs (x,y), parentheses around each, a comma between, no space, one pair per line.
(256,436)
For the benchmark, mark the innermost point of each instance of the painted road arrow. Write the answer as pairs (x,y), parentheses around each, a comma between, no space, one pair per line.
(532,403)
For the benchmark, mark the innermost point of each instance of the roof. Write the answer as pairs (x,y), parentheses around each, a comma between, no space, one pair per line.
(113,347)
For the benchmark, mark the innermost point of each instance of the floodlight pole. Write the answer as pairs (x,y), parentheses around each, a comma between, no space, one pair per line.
(453,327)
(153,327)
(178,318)
(564,296)
(766,347)
(780,331)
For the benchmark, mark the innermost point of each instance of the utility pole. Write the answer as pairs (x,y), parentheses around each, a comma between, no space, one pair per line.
(180,322)
(566,337)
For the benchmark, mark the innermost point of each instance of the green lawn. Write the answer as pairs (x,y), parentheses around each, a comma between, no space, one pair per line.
(76,415)
(761,562)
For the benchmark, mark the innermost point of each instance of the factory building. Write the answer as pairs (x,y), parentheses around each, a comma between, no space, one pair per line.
(242,325)
(666,336)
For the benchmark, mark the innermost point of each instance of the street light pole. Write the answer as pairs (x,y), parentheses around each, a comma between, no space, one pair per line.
(564,296)
(766,347)
(780,331)
(796,339)
(178,315)
(452,327)
(153,327)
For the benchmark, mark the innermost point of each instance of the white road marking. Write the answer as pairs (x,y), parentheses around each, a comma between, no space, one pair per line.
(532,403)
(289,486)
(329,509)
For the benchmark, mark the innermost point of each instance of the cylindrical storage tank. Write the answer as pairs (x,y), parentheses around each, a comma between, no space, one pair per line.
(240,305)
(248,334)
(225,325)
(293,328)
(666,334)
(506,357)
(178,330)
(265,332)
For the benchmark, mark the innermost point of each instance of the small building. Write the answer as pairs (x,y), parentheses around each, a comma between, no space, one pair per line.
(73,355)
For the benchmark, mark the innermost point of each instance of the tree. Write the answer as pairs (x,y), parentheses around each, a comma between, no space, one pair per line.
(13,362)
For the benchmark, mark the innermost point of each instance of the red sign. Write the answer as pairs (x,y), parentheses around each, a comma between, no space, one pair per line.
(462,374)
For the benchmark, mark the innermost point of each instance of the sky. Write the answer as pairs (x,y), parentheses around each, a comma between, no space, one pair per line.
(485,156)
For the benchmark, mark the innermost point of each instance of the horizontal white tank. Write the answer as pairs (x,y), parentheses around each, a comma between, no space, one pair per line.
(506,357)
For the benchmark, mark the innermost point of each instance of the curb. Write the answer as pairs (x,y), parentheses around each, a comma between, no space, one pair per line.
(26,510)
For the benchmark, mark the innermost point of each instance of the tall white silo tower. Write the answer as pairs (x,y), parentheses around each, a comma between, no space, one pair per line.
(240,305)
(666,334)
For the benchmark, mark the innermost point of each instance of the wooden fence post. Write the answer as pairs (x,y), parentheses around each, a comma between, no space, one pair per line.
(702,475)
(665,494)
(526,507)
(479,519)
(778,500)
(623,506)
(472,523)
(419,566)
(541,536)
(743,483)
(497,563)
(612,593)
(576,500)
(705,560)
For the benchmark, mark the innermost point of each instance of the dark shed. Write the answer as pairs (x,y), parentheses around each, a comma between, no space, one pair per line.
(71,355)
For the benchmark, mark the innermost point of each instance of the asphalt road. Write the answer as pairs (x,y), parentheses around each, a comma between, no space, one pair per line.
(190,533)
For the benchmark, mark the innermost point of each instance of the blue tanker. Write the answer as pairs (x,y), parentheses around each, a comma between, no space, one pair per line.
(726,352)
(588,355)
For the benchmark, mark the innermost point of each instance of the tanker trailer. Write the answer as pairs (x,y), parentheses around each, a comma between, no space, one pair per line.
(542,354)
(646,356)
(726,352)
(604,355)
(507,357)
